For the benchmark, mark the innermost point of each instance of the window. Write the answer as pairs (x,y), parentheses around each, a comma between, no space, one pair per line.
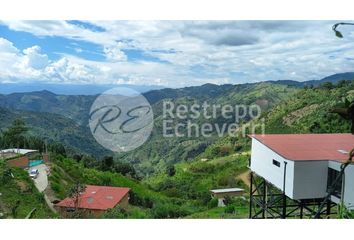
(332,175)
(276,163)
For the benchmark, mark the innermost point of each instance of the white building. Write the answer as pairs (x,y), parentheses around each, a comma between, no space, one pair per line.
(305,165)
(18,151)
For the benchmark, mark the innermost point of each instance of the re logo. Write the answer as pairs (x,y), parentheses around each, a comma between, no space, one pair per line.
(121,119)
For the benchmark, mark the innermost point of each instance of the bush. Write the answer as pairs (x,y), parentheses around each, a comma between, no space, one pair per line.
(172,192)
(168,211)
(202,168)
(230,209)
(213,203)
(115,213)
(171,171)
(136,200)
(55,187)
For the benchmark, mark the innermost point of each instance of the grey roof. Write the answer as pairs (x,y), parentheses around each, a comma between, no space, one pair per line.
(227,190)
(18,150)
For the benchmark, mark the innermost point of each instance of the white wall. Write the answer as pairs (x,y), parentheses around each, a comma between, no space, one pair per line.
(304,179)
(262,164)
(310,179)
(348,183)
(349,187)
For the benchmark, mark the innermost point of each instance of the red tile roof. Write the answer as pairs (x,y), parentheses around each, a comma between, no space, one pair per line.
(309,147)
(97,197)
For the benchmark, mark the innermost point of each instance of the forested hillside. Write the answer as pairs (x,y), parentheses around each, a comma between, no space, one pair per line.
(54,128)
(159,152)
(285,108)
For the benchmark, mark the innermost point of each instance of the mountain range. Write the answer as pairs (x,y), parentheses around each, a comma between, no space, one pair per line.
(93,89)
(64,118)
(69,89)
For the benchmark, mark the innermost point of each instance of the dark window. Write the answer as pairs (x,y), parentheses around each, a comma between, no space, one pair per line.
(332,176)
(276,163)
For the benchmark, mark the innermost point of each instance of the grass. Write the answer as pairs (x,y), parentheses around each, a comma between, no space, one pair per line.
(20,191)
(219,213)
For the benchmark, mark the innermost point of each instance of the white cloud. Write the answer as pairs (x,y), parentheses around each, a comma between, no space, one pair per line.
(190,52)
(67,71)
(114,53)
(33,58)
(7,46)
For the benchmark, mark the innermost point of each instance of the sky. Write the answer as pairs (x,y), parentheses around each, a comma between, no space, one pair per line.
(171,53)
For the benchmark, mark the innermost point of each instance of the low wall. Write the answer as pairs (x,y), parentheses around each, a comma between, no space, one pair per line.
(21,162)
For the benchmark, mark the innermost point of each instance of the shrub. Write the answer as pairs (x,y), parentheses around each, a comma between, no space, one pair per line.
(202,168)
(230,209)
(171,171)
(213,203)
(168,211)
(115,213)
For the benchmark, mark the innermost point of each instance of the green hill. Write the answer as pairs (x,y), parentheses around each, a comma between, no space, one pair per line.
(159,151)
(55,128)
(19,196)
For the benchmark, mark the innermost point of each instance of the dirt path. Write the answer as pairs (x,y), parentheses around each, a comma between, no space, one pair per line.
(41,183)
(245,177)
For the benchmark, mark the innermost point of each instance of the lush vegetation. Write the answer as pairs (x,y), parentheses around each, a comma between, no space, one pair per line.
(50,128)
(169,178)
(159,152)
(19,197)
(66,172)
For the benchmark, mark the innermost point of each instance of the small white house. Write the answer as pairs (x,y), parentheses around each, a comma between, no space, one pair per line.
(220,194)
(19,151)
(305,165)
(11,152)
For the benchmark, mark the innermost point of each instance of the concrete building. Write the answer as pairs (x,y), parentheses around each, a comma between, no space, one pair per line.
(17,157)
(220,194)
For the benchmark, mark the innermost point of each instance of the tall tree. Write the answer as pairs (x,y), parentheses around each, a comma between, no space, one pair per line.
(107,163)
(14,135)
(74,193)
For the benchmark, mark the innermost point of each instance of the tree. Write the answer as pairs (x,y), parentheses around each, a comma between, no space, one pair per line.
(125,169)
(115,213)
(327,85)
(57,148)
(14,135)
(171,170)
(5,172)
(74,193)
(346,112)
(77,157)
(107,163)
(89,161)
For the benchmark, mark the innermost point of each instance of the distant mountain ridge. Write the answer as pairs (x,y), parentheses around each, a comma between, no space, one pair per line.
(332,78)
(69,89)
(64,118)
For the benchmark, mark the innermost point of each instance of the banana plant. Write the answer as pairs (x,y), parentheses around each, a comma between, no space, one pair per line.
(346,112)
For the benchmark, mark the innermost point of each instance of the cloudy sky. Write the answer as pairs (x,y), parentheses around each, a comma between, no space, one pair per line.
(171,53)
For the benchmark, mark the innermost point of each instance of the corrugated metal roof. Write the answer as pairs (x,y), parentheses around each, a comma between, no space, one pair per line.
(97,197)
(18,150)
(227,190)
(309,147)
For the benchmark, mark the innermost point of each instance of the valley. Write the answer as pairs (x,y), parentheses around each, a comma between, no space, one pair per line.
(168,177)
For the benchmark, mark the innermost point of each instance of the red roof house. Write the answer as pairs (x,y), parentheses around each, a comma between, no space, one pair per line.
(309,147)
(96,199)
